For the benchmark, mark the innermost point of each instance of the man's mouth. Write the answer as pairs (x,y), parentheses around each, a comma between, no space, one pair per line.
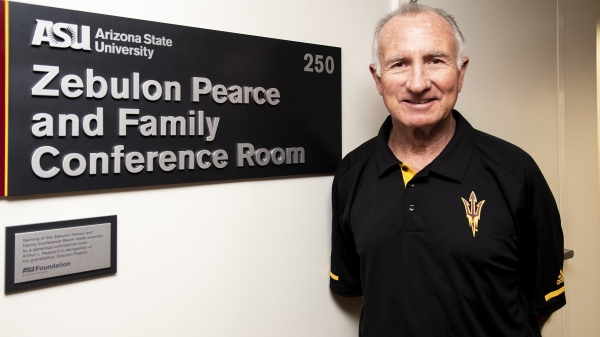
(418,101)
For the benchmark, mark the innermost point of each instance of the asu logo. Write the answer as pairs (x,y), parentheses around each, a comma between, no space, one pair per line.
(28,270)
(61,35)
(473,210)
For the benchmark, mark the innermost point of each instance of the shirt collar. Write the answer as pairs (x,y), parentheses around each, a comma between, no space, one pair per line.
(452,162)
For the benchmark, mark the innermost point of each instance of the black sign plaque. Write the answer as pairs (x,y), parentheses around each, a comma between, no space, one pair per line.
(94,101)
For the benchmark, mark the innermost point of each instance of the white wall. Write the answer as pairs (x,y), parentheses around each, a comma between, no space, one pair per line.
(245,258)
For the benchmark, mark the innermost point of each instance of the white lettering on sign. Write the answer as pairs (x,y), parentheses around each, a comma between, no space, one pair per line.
(96,86)
(61,35)
(112,48)
(235,94)
(76,164)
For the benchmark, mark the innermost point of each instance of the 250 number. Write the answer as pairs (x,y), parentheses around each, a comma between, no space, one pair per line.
(319,66)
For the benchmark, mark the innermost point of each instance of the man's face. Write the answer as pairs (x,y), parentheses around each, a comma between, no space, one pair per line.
(420,80)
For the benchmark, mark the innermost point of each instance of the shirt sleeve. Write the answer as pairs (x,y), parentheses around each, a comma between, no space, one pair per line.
(547,293)
(344,275)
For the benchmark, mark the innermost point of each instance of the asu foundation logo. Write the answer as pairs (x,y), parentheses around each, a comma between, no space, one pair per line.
(61,35)
(473,210)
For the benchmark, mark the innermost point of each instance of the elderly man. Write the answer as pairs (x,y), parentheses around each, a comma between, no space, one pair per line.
(445,230)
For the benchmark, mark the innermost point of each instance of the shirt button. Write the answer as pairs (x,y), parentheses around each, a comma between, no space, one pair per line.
(411,207)
(411,185)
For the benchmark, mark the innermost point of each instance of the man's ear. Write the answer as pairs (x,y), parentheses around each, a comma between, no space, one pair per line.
(376,77)
(462,72)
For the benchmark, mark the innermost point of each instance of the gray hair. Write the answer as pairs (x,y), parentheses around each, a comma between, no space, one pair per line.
(414,8)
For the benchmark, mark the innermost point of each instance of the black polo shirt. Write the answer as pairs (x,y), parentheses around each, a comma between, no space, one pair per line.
(472,246)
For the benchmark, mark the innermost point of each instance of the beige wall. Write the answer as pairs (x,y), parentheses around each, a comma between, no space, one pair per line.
(580,199)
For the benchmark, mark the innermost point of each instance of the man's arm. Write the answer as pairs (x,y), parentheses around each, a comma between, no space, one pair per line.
(544,265)
(541,320)
(344,275)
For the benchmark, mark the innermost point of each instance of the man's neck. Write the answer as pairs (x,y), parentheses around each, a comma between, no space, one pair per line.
(417,147)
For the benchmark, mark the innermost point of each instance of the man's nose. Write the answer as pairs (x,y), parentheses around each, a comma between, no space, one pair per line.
(418,80)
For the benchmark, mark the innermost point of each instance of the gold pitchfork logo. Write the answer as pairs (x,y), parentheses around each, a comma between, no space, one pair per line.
(473,210)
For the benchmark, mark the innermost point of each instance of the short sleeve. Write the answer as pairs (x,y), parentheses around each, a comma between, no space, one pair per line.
(547,293)
(344,276)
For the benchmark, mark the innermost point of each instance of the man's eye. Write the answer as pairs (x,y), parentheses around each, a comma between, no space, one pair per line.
(398,64)
(436,61)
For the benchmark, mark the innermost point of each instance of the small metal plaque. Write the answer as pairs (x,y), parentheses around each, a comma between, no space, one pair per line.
(57,252)
(49,253)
